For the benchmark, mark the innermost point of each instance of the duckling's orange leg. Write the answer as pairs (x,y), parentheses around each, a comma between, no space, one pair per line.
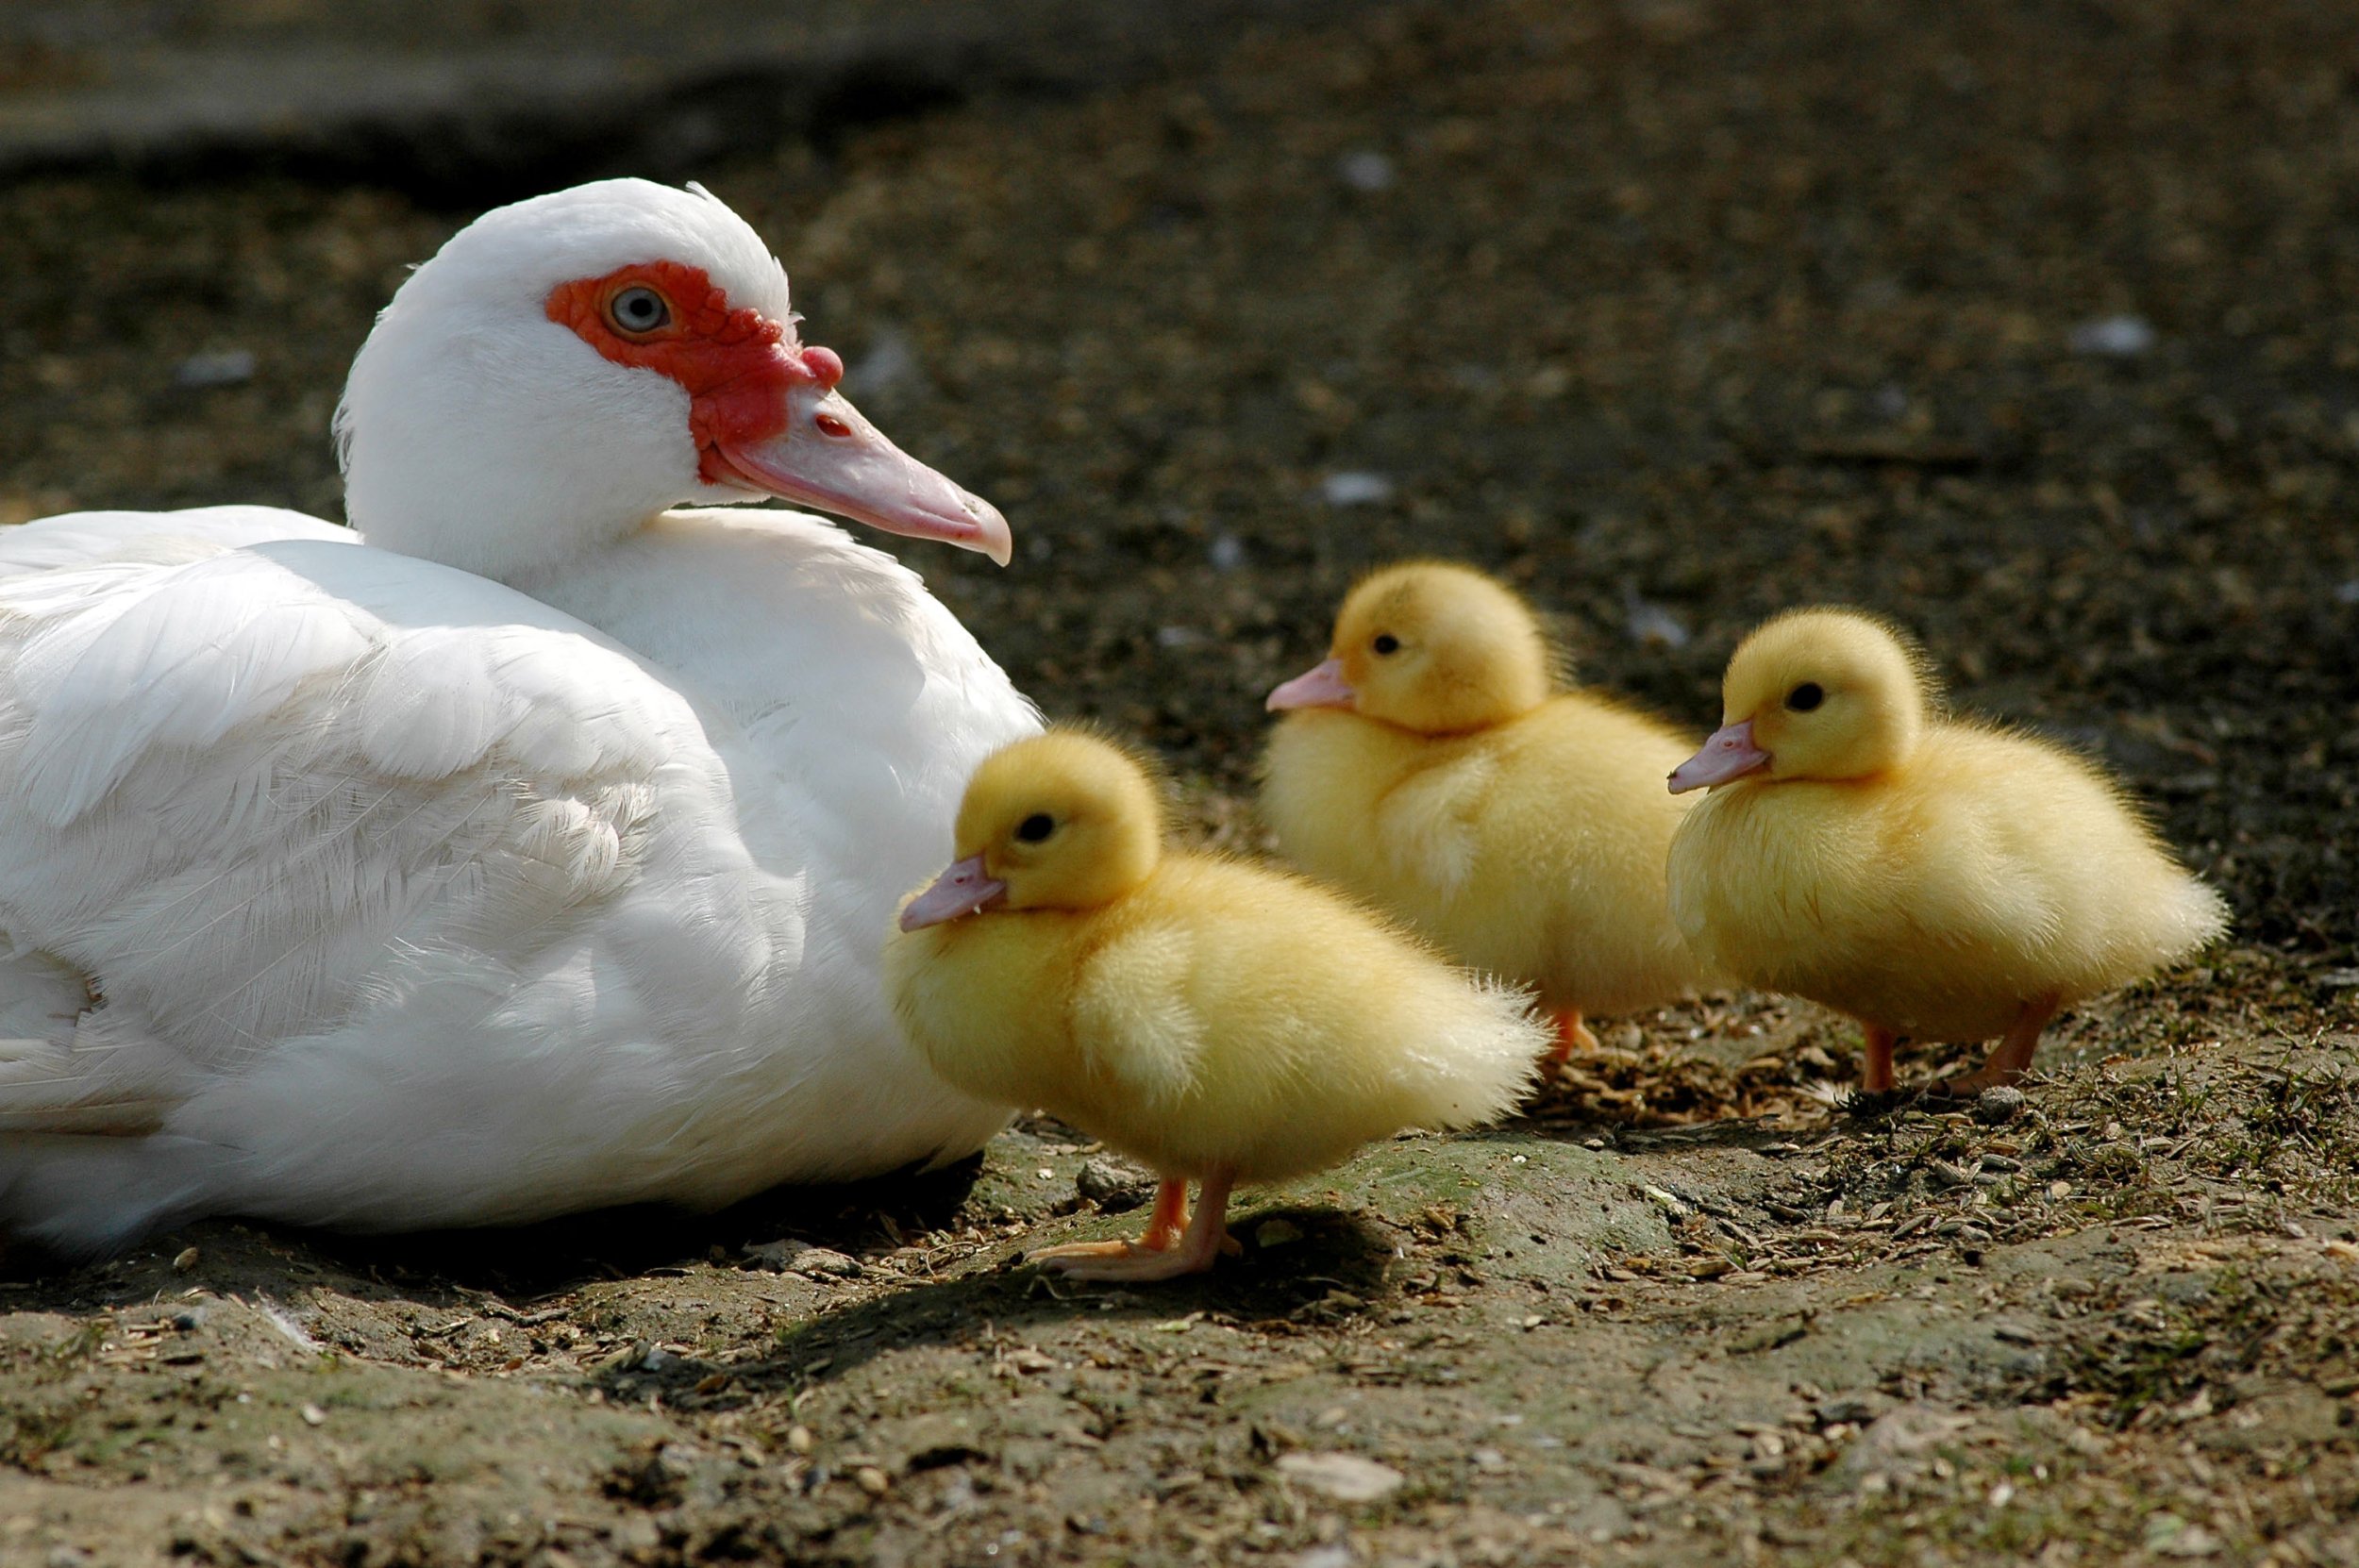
(1571,1033)
(1162,1228)
(2013,1054)
(1877,1078)
(1207,1238)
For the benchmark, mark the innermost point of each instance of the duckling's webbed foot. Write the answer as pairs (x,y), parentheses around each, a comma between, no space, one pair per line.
(2010,1057)
(1571,1035)
(1206,1238)
(1164,1227)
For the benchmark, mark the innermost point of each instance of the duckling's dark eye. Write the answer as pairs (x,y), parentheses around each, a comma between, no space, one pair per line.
(638,310)
(1036,827)
(1805,697)
(1386,642)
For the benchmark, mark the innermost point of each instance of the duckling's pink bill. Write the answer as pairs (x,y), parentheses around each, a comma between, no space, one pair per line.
(1321,686)
(963,890)
(1730,754)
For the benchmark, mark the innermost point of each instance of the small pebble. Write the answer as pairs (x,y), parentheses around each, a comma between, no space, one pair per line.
(227,368)
(1346,1478)
(1355,487)
(1365,170)
(1104,1182)
(185,1260)
(1998,1105)
(2113,337)
(314,1417)
(872,1480)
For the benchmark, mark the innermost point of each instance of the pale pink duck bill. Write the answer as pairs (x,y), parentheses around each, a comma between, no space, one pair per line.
(1321,686)
(1730,754)
(963,890)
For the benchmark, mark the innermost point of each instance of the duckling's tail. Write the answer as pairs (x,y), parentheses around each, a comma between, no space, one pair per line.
(2191,917)
(1480,1063)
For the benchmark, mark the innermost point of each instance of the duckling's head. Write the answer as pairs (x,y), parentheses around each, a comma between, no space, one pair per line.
(1060,821)
(1813,694)
(1431,647)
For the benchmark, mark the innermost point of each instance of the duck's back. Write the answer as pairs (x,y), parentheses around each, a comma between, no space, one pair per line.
(1990,869)
(1533,849)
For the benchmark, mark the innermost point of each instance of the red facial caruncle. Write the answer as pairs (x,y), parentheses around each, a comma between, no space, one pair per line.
(737,365)
(764,412)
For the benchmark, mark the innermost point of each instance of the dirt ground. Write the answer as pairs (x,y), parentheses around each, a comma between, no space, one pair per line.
(2033,325)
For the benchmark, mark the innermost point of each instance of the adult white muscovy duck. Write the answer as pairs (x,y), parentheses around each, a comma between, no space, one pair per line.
(534,856)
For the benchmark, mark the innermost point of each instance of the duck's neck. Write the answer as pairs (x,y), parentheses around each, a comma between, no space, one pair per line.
(452,452)
(769,619)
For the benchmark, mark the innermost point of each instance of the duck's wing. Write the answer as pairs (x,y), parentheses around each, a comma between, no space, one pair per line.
(248,794)
(86,538)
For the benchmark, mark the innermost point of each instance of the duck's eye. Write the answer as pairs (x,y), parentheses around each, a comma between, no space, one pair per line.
(1386,642)
(638,310)
(1805,697)
(1033,830)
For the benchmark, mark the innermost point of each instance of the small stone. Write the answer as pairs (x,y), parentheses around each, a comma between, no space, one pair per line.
(1365,170)
(1671,1203)
(2167,1535)
(314,1417)
(1346,1478)
(1228,553)
(2113,337)
(872,1480)
(1109,1183)
(1847,1410)
(798,1439)
(227,368)
(1355,487)
(1277,1233)
(1998,1105)
(184,1261)
(798,1258)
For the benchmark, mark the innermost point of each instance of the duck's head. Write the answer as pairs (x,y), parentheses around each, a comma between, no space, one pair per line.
(1431,647)
(1060,821)
(1814,693)
(566,368)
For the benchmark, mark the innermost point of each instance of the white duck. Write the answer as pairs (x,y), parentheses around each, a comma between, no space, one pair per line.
(353,887)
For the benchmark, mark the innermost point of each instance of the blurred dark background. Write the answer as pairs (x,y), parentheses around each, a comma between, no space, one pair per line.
(2034,325)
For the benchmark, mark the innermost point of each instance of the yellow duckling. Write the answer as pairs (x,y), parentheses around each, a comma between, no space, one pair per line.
(1935,879)
(1429,766)
(1211,1019)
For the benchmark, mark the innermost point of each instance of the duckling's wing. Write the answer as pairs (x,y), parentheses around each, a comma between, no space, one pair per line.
(1133,1018)
(1427,823)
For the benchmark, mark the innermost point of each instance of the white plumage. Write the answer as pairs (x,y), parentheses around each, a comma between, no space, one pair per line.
(347,888)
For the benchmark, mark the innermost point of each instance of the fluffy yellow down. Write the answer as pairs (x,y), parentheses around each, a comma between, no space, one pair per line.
(1523,831)
(1925,874)
(1208,1016)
